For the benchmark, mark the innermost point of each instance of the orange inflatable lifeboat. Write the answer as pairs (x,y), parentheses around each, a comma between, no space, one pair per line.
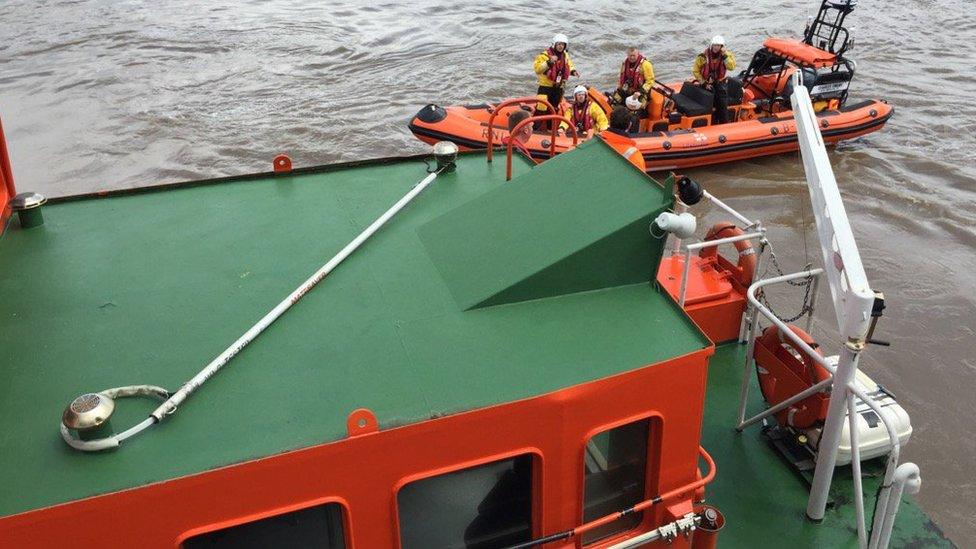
(678,132)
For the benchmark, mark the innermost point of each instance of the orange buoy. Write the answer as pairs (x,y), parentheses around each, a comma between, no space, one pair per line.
(746,265)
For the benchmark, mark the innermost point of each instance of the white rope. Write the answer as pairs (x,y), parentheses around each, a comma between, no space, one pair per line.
(173,401)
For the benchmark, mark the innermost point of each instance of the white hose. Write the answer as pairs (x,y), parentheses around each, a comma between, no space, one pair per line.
(172,402)
(107,443)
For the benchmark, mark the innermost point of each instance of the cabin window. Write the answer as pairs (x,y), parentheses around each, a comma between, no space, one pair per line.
(482,507)
(319,527)
(615,462)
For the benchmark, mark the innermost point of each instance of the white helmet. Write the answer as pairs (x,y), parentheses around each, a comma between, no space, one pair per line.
(579,89)
(718,40)
(632,103)
(560,37)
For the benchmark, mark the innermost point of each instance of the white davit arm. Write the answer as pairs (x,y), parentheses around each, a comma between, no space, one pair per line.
(849,287)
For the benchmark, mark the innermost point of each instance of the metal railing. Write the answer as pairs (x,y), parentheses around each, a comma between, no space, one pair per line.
(897,478)
(497,109)
(888,499)
(689,248)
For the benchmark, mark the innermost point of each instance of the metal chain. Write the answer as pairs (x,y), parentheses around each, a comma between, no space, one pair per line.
(807,282)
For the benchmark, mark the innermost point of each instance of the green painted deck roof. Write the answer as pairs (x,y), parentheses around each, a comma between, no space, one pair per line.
(147,288)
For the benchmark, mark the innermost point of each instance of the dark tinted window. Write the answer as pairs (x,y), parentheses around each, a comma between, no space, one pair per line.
(483,507)
(319,527)
(616,463)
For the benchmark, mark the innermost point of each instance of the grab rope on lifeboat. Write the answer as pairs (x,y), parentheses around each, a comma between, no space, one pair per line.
(746,265)
(785,370)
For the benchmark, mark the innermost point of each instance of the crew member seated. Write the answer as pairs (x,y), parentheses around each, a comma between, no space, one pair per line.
(520,139)
(636,78)
(710,70)
(617,137)
(635,113)
(585,115)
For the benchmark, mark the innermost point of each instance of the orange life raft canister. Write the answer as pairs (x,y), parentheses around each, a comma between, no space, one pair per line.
(784,370)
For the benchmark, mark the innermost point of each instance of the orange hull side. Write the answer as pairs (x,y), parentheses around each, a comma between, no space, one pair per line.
(679,148)
(358,472)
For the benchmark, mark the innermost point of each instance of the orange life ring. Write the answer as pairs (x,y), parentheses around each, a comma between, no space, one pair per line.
(784,370)
(747,254)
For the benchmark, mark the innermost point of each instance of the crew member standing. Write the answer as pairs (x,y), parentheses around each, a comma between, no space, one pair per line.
(636,78)
(553,67)
(709,71)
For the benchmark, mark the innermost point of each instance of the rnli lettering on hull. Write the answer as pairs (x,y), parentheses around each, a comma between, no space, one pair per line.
(496,135)
(700,140)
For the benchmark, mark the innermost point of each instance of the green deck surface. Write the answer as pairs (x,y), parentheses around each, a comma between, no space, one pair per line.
(148,288)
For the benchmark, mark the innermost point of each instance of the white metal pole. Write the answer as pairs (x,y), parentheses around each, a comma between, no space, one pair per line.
(759,308)
(906,476)
(686,269)
(830,438)
(862,538)
(728,209)
(809,391)
(813,302)
(230,352)
(679,208)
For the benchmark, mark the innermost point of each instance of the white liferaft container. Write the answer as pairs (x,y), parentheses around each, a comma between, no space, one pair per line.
(872,436)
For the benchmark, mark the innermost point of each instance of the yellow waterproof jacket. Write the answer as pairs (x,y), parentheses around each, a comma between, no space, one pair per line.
(647,69)
(696,70)
(541,65)
(598,117)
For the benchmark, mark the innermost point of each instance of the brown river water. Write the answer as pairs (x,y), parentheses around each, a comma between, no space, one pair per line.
(106,95)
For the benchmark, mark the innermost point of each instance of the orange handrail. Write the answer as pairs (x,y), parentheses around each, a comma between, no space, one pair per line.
(649,502)
(507,103)
(586,527)
(7,189)
(5,172)
(552,140)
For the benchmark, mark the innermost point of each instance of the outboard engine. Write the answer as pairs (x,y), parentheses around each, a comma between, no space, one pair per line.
(827,74)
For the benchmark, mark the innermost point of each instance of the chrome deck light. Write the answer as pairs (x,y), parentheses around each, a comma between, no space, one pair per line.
(28,208)
(445,152)
(89,414)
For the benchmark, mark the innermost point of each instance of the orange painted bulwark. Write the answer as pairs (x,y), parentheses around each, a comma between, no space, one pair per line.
(363,472)
(678,148)
(7,189)
(714,299)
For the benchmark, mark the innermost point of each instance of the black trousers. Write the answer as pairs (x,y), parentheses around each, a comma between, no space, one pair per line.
(555,95)
(720,93)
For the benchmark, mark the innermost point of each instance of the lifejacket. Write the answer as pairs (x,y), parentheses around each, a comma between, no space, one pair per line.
(631,75)
(714,68)
(558,71)
(581,116)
